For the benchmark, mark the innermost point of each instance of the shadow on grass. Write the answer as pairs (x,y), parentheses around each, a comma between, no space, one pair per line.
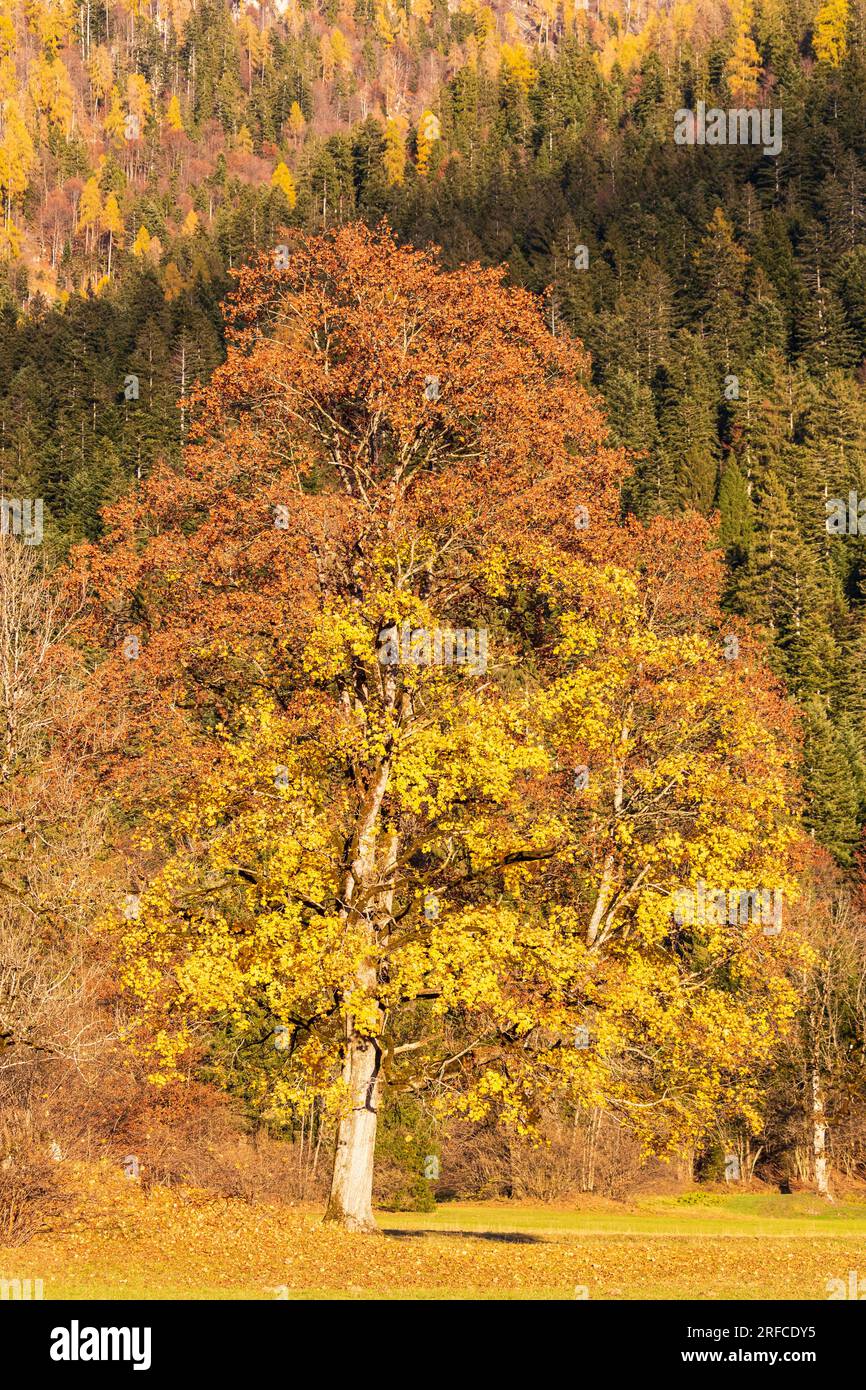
(509,1237)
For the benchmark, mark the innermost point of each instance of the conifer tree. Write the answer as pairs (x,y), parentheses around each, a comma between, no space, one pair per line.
(736,515)
(783,591)
(830,785)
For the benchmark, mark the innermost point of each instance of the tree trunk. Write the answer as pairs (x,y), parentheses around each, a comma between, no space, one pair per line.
(351,1199)
(368,892)
(819,1136)
(607,876)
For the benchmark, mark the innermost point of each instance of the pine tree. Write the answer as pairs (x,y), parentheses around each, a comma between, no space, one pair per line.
(782,589)
(824,337)
(736,523)
(848,693)
(636,333)
(631,415)
(850,283)
(688,391)
(830,783)
(720,266)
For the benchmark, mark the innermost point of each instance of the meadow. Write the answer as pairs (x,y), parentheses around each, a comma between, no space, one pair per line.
(118,1241)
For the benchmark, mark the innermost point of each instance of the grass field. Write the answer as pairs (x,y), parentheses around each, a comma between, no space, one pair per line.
(119,1242)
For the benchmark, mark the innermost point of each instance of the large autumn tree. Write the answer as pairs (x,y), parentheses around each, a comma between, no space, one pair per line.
(410,872)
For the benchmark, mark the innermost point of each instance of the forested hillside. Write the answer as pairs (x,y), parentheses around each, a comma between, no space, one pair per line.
(147,150)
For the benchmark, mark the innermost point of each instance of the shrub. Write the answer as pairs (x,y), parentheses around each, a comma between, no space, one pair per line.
(32,1195)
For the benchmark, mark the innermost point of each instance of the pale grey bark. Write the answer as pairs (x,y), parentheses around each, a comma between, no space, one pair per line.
(819,1137)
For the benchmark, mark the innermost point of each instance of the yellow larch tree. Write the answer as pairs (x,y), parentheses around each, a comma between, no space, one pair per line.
(282,179)
(518,64)
(141,244)
(326,54)
(341,51)
(115,117)
(52,21)
(429,132)
(297,122)
(16,160)
(173,282)
(139,102)
(100,72)
(111,221)
(7,32)
(394,157)
(50,90)
(392,21)
(173,113)
(90,211)
(830,34)
(744,65)
(9,84)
